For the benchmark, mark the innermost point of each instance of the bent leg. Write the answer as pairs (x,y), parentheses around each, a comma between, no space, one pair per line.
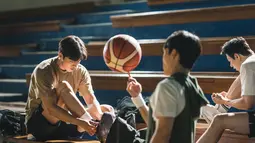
(208,112)
(68,99)
(238,122)
(104,108)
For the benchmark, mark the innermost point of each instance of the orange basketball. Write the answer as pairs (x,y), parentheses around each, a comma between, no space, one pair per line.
(122,53)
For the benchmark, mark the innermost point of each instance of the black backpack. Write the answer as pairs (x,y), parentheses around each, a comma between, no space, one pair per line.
(112,129)
(122,132)
(11,123)
(126,108)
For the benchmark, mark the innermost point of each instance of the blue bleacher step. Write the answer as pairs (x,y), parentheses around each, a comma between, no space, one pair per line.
(13,86)
(213,29)
(10,94)
(9,73)
(51,44)
(8,97)
(38,36)
(142,5)
(94,29)
(88,25)
(148,63)
(99,17)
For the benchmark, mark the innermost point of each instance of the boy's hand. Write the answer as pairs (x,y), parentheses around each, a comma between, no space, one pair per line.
(134,88)
(219,99)
(89,126)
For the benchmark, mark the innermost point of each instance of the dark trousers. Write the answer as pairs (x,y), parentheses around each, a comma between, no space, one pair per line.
(43,130)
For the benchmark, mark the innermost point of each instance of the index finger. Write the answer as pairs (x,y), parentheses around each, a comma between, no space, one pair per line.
(130,79)
(129,75)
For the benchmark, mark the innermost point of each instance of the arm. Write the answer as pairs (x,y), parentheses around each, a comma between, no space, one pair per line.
(134,88)
(50,106)
(234,91)
(43,90)
(94,106)
(144,110)
(86,90)
(245,102)
(141,105)
(163,130)
(166,103)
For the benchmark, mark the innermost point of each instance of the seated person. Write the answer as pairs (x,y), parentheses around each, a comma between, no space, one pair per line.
(177,100)
(241,58)
(234,92)
(53,111)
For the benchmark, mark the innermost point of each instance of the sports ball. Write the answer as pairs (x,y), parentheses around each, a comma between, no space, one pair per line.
(122,53)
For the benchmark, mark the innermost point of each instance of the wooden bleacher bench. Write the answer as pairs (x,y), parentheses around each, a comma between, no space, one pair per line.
(14,106)
(200,128)
(227,137)
(53,25)
(158,2)
(23,139)
(14,50)
(150,47)
(209,82)
(153,47)
(222,13)
(80,7)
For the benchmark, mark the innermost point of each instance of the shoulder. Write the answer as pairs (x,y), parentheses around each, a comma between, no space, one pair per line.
(249,63)
(169,85)
(44,69)
(169,82)
(81,69)
(82,73)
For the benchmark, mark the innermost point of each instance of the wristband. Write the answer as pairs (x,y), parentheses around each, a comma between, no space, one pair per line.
(138,101)
(89,105)
(86,116)
(94,102)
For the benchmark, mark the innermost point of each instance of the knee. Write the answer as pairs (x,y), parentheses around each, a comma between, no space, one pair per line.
(64,86)
(107,108)
(219,120)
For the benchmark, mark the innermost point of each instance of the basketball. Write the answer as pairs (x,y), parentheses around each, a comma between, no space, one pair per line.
(122,53)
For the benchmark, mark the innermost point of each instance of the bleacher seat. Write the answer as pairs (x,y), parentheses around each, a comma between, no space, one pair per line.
(15,50)
(209,82)
(159,2)
(184,16)
(21,28)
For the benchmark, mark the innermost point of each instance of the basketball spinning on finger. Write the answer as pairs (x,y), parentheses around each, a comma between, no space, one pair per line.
(122,53)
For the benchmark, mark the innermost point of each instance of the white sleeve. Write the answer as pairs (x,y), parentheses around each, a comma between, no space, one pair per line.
(247,81)
(166,101)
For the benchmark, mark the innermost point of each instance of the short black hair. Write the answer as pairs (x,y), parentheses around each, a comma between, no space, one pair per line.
(73,47)
(187,45)
(236,45)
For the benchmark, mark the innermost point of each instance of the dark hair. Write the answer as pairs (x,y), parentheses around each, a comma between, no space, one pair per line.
(236,45)
(187,45)
(73,47)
